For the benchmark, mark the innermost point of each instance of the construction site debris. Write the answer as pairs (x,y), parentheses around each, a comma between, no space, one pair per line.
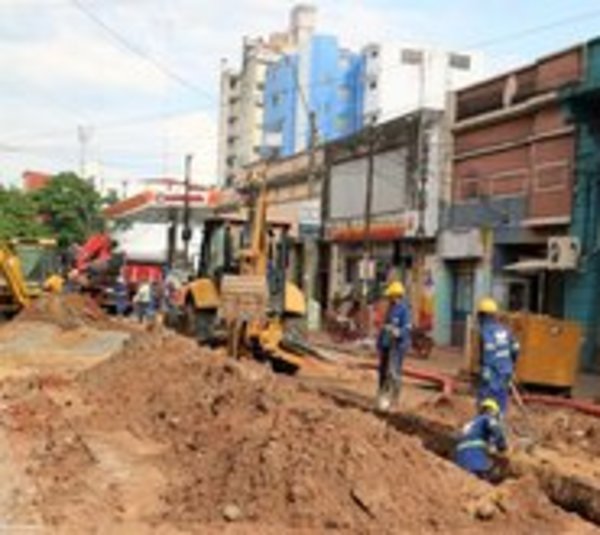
(67,311)
(283,455)
(166,437)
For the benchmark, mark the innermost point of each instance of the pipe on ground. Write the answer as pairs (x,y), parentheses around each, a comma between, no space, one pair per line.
(585,407)
(444,382)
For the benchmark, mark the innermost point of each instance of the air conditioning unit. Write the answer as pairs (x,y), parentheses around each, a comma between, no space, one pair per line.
(563,252)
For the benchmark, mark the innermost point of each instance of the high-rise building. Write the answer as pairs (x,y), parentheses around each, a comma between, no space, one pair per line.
(242,92)
(266,105)
(320,77)
(400,78)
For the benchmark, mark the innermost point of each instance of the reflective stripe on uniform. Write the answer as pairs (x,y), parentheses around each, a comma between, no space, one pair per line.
(476,443)
(502,354)
(489,347)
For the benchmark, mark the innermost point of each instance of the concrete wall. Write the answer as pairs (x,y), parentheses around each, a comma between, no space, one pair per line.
(583,286)
(443,305)
(281,96)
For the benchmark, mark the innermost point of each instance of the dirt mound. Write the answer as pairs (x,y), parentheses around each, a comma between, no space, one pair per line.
(567,430)
(68,311)
(243,445)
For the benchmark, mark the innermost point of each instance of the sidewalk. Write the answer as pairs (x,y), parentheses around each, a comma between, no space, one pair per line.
(450,360)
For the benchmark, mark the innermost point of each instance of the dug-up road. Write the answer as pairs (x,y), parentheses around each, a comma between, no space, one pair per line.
(109,428)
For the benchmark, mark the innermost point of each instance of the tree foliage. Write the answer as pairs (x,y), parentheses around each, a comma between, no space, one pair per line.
(19,216)
(70,208)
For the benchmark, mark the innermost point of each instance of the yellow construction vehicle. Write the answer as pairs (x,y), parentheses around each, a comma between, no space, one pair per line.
(241,292)
(28,268)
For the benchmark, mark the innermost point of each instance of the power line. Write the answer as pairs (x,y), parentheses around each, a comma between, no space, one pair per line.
(526,32)
(108,125)
(135,49)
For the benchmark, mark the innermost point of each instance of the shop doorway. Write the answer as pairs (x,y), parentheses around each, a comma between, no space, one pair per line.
(463,281)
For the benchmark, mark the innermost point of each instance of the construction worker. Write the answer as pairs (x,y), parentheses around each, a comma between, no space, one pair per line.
(481,437)
(143,300)
(499,351)
(121,293)
(392,343)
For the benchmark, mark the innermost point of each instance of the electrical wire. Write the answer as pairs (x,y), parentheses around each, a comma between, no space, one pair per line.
(534,30)
(138,51)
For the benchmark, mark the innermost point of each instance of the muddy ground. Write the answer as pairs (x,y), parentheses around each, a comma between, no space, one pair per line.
(165,437)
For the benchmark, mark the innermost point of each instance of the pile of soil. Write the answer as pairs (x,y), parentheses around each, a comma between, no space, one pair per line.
(567,431)
(68,311)
(243,445)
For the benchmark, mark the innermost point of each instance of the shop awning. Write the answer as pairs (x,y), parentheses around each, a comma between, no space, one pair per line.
(532,265)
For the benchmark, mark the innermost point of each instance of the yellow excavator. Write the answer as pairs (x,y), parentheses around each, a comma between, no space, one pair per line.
(28,268)
(241,295)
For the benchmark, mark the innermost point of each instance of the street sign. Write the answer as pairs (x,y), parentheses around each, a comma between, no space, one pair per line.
(309,218)
(366,270)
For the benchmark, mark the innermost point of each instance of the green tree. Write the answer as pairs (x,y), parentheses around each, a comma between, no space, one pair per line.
(70,207)
(18,216)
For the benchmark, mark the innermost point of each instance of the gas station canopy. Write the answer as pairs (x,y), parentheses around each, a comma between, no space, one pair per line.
(159,207)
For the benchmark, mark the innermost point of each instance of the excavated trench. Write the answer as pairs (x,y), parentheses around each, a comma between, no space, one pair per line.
(567,486)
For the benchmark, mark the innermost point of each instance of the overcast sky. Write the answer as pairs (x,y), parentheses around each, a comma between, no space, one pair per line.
(60,70)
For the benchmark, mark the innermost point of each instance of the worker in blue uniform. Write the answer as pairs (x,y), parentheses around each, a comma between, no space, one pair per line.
(499,351)
(480,438)
(392,344)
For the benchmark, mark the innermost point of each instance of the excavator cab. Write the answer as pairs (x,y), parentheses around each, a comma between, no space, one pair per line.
(28,267)
(225,251)
(39,262)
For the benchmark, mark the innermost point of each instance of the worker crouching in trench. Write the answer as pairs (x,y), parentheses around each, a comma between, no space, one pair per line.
(482,447)
(393,342)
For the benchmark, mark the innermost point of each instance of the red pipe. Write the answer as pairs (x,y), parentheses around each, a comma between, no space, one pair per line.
(586,407)
(445,382)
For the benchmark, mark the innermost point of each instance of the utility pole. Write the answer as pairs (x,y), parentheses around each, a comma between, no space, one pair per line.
(187,231)
(310,245)
(420,181)
(367,241)
(84,134)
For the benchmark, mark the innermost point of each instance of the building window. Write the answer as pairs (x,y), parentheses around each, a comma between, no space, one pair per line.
(260,86)
(459,61)
(232,83)
(371,118)
(374,53)
(373,85)
(344,93)
(341,123)
(344,62)
(410,56)
(275,99)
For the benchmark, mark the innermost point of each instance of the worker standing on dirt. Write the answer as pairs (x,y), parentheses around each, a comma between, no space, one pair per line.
(499,351)
(480,438)
(121,296)
(392,343)
(143,300)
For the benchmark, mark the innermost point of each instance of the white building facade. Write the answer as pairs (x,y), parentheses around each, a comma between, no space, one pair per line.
(400,78)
